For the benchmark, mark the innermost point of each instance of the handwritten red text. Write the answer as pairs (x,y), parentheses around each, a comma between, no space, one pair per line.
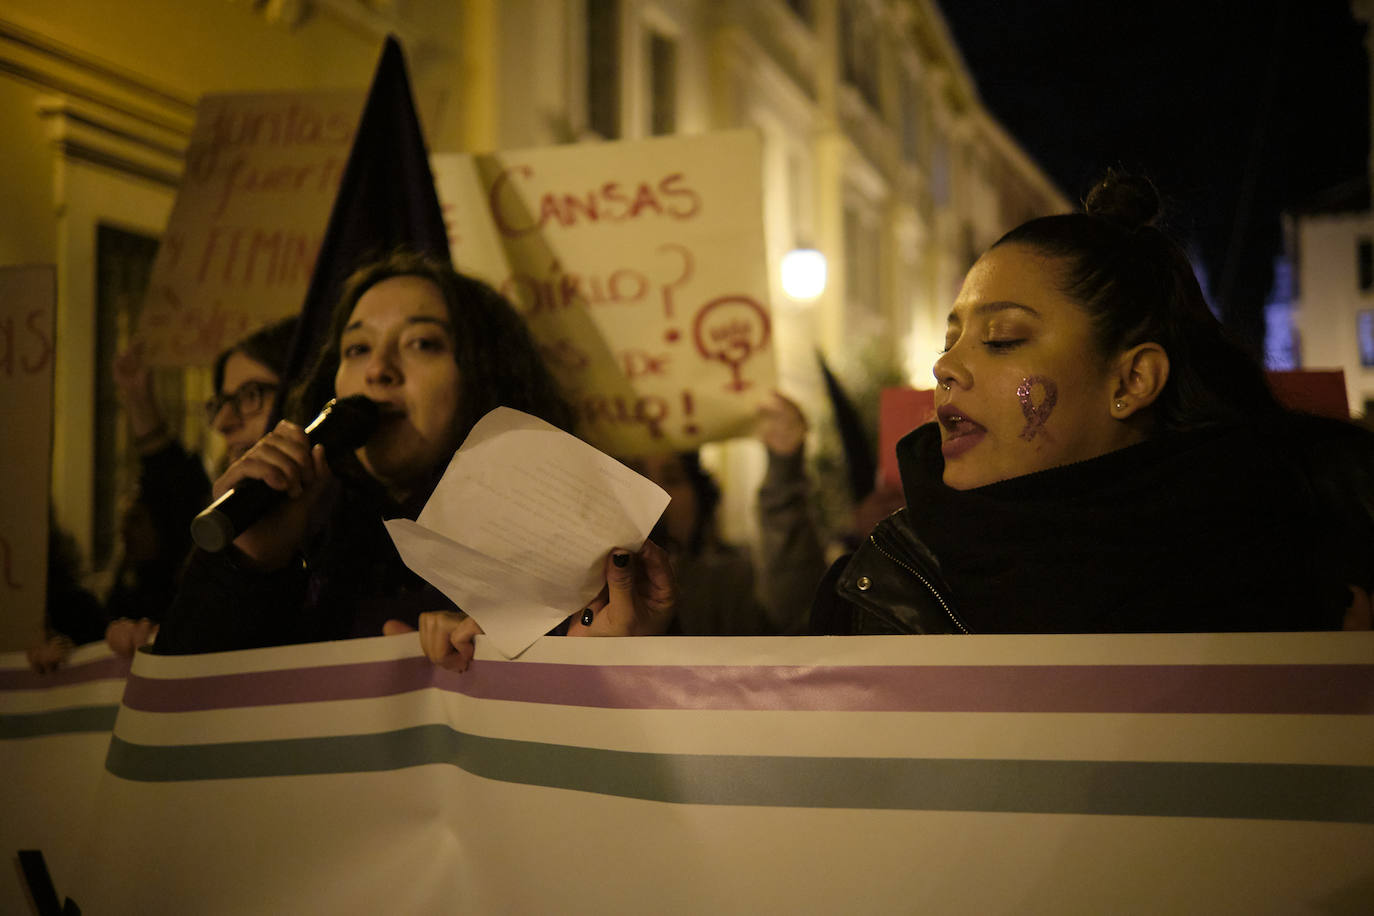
(25,349)
(610,202)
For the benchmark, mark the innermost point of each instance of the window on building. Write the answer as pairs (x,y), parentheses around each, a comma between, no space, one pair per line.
(798,200)
(124,263)
(911,117)
(939,172)
(1364,259)
(1364,333)
(603,67)
(863,260)
(662,95)
(1281,350)
(968,244)
(859,40)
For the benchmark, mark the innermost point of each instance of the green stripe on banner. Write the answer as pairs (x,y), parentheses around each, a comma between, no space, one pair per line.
(1303,792)
(58,722)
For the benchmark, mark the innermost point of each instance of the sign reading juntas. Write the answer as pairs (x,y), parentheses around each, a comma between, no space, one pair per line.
(641,271)
(261,175)
(27,306)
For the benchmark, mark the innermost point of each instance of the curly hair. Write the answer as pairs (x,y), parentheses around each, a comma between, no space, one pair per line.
(497,359)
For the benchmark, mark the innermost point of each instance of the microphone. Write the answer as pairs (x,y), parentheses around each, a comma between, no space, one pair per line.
(343,424)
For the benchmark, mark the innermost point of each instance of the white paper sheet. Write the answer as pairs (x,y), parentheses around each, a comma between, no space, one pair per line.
(517,531)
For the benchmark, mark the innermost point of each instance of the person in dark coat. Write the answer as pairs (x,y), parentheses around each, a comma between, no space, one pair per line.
(1105,460)
(172,486)
(722,589)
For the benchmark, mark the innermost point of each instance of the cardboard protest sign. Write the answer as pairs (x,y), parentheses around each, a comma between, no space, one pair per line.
(641,271)
(28,297)
(261,175)
(900,410)
(1318,391)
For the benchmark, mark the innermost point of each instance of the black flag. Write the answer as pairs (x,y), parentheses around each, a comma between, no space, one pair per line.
(386,200)
(858,449)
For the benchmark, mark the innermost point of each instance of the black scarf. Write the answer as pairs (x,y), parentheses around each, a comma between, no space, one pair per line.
(358,580)
(1215,530)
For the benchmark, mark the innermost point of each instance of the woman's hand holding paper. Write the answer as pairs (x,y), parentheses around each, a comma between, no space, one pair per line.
(638,598)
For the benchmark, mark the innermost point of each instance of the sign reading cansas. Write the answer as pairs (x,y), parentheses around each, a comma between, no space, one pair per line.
(641,271)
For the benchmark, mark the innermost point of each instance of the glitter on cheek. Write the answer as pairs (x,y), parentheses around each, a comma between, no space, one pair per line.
(1037,415)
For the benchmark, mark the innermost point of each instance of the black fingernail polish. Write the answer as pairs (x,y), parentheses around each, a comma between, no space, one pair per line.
(620,559)
(587,617)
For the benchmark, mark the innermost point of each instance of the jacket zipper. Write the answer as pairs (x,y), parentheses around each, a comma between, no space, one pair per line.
(924,581)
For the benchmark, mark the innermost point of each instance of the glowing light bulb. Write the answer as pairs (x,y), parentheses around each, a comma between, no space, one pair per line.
(803,273)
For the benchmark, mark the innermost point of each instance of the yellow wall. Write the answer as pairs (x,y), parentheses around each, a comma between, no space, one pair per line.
(28,229)
(96,102)
(199,46)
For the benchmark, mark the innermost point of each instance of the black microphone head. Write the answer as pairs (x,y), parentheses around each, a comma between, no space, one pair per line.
(345,423)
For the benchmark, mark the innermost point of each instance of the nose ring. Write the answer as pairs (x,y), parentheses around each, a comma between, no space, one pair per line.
(945,384)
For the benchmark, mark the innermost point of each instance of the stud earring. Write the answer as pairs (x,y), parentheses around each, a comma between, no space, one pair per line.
(1120,405)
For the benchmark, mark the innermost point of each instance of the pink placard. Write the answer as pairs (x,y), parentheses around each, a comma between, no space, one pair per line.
(1318,391)
(900,411)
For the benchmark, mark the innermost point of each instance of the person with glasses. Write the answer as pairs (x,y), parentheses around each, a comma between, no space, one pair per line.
(247,380)
(173,487)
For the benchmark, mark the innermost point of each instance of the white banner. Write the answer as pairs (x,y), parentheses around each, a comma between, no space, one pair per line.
(1180,774)
(54,734)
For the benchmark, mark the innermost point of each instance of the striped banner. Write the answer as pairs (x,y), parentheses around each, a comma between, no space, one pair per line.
(1198,773)
(54,737)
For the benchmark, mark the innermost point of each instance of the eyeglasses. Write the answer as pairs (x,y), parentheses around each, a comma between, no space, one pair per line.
(247,399)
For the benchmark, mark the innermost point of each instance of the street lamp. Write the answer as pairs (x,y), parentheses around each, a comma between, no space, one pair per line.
(803,274)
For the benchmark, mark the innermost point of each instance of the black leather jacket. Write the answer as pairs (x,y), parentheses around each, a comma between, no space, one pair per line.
(890,585)
(1220,529)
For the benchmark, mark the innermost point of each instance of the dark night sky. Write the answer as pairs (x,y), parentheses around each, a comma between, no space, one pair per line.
(1237,110)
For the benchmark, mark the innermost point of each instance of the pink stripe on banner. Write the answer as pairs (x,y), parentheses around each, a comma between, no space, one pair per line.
(1264,689)
(1260,689)
(359,681)
(100,670)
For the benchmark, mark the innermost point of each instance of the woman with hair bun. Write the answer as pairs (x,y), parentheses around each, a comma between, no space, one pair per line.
(1105,460)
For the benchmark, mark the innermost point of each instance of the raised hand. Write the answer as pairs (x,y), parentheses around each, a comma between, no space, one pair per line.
(781,426)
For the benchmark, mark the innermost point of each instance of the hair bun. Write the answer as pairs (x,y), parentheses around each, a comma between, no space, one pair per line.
(1129,201)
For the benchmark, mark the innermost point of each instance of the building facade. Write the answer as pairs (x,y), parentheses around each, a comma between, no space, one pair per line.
(1333,314)
(1330,246)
